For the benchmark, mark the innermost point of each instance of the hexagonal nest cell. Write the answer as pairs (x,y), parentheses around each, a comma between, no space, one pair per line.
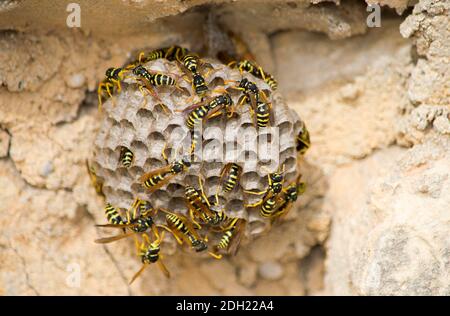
(136,120)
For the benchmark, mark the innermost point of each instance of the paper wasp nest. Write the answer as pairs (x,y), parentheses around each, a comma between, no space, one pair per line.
(139,123)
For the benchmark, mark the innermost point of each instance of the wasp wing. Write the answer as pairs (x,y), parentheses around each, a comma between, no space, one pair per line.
(138,273)
(163,171)
(113,238)
(163,268)
(238,234)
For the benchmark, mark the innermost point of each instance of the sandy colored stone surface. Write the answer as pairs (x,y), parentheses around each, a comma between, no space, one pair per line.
(400,214)
(375,217)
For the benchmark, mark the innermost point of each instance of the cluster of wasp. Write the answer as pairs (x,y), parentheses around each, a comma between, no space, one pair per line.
(139,219)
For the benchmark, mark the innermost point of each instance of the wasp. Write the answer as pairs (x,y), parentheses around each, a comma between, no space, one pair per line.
(260,105)
(271,194)
(207,109)
(154,79)
(126,157)
(153,55)
(230,239)
(191,63)
(233,172)
(113,215)
(96,182)
(199,84)
(268,206)
(115,76)
(257,71)
(183,230)
(150,252)
(249,88)
(176,53)
(112,80)
(155,179)
(262,114)
(275,186)
(170,53)
(199,206)
(137,224)
(290,195)
(270,80)
(302,140)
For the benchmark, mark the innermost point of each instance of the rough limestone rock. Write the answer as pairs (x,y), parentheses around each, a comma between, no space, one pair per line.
(401,214)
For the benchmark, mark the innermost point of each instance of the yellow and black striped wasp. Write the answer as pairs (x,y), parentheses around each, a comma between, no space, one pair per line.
(155,179)
(200,207)
(150,252)
(230,174)
(191,63)
(111,83)
(154,79)
(170,53)
(96,182)
(113,215)
(126,157)
(260,105)
(302,140)
(255,70)
(230,239)
(290,195)
(275,186)
(176,53)
(183,231)
(274,206)
(269,201)
(134,222)
(115,76)
(269,205)
(208,109)
(150,79)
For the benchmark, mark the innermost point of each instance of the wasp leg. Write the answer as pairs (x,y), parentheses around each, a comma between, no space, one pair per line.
(173,234)
(165,108)
(155,232)
(144,103)
(200,182)
(261,71)
(136,244)
(163,154)
(256,193)
(206,74)
(117,82)
(141,54)
(153,93)
(192,216)
(232,64)
(215,256)
(100,98)
(254,204)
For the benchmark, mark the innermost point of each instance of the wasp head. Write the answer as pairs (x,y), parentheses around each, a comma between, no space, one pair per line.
(199,245)
(139,70)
